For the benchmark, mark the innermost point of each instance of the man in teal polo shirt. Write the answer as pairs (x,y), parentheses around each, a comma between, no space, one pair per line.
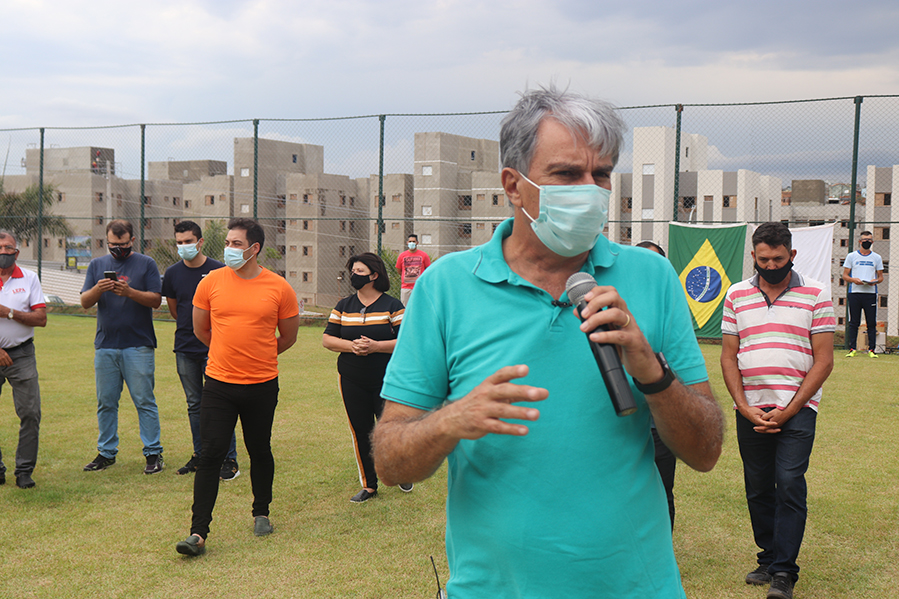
(569,504)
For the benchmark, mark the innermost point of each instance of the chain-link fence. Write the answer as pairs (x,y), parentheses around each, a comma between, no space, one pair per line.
(327,189)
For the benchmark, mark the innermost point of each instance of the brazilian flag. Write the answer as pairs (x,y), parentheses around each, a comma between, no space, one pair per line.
(707,260)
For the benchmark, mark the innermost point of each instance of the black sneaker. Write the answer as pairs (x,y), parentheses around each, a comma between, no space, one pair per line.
(229,470)
(155,464)
(190,466)
(99,463)
(759,576)
(781,586)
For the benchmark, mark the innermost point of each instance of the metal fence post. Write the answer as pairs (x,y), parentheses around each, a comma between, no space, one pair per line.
(679,108)
(255,169)
(143,178)
(380,224)
(858,112)
(40,211)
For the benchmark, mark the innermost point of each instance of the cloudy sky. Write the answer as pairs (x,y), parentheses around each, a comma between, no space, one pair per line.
(105,63)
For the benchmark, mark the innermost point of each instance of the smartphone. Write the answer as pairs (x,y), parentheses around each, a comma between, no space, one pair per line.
(110,274)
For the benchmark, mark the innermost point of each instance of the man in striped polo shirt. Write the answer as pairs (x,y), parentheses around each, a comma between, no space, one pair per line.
(777,351)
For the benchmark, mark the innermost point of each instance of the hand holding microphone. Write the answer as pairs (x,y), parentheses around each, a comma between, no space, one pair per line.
(606,354)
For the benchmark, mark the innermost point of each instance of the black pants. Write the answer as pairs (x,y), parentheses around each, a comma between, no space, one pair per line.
(220,407)
(666,463)
(857,303)
(363,403)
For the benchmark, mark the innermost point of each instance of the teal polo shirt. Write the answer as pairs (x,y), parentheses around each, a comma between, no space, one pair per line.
(575,507)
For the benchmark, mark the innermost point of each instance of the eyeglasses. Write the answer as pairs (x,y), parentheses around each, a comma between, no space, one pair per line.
(8,249)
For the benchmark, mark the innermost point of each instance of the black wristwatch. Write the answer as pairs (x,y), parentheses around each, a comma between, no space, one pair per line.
(668,377)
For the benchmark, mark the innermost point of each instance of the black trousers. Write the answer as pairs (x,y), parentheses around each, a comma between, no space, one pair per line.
(666,464)
(220,406)
(857,303)
(363,403)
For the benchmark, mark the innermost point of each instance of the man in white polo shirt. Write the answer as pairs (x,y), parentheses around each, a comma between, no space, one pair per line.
(21,309)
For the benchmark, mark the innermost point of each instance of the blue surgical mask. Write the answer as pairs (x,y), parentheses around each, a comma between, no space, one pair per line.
(571,217)
(188,251)
(234,258)
(411,245)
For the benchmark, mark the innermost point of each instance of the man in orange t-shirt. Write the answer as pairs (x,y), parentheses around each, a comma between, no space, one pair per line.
(236,313)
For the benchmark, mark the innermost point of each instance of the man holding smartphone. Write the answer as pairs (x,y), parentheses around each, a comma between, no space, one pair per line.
(125,287)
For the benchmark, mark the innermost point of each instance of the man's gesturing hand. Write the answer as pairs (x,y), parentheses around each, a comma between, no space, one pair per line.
(483,410)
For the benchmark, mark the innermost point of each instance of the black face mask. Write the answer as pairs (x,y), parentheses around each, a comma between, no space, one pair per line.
(120,253)
(776,275)
(7,260)
(866,245)
(359,281)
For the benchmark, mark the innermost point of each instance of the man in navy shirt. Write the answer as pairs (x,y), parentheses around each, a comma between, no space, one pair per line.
(125,287)
(178,286)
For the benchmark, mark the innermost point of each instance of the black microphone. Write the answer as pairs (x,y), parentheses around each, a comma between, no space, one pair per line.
(606,354)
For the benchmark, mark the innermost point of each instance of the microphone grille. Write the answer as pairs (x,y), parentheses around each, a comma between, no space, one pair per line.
(578,285)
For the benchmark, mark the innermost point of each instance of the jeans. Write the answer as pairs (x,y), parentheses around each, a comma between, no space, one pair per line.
(26,396)
(220,407)
(136,367)
(857,303)
(774,467)
(191,371)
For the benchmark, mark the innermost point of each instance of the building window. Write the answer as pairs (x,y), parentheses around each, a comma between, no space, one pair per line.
(60,197)
(426,211)
(282,225)
(99,196)
(627,204)
(884,232)
(883,199)
(352,226)
(352,201)
(307,250)
(842,282)
(472,154)
(245,172)
(841,301)
(293,197)
(60,242)
(342,251)
(293,273)
(244,208)
(498,199)
(147,201)
(187,203)
(99,220)
(282,201)
(307,226)
(479,226)
(46,242)
(649,169)
(841,321)
(148,224)
(883,301)
(282,251)
(480,197)
(343,200)
(306,198)
(176,201)
(294,158)
(465,230)
(397,197)
(689,202)
(426,170)
(343,225)
(210,200)
(464,202)
(844,224)
(844,243)
(394,225)
(307,276)
(729,202)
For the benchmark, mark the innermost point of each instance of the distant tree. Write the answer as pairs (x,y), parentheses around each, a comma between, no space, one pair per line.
(269,258)
(214,233)
(389,257)
(164,253)
(19,213)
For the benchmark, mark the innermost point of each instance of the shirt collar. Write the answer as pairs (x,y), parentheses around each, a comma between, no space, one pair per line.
(491,266)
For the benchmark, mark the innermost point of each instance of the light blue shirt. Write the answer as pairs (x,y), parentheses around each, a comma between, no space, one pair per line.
(864,268)
(575,508)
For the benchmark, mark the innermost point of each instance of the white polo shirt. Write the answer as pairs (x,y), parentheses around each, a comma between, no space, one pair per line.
(23,293)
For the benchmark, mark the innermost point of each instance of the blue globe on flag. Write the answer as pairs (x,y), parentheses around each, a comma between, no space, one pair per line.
(703,284)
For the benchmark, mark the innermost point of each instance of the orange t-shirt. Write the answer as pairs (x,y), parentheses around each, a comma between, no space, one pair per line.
(244,316)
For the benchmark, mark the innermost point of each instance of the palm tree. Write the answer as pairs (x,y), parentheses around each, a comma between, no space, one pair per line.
(19,213)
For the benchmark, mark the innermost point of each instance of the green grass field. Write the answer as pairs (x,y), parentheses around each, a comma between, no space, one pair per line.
(112,533)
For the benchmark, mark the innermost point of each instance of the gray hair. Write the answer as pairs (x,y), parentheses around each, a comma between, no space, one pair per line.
(6,233)
(596,121)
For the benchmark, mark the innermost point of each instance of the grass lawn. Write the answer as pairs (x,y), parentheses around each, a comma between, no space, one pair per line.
(112,533)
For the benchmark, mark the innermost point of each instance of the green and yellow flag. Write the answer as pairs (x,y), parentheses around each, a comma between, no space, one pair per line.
(707,260)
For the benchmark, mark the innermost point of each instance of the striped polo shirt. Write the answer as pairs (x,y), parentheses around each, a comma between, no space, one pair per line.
(775,351)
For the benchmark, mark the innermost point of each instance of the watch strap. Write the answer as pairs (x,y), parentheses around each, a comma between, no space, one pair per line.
(668,377)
